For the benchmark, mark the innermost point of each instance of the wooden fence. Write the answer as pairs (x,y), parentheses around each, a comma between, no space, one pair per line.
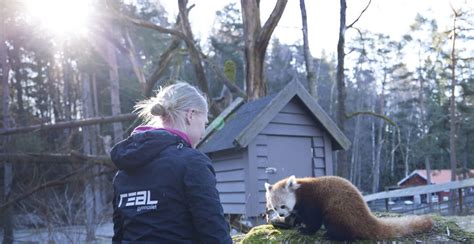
(417,191)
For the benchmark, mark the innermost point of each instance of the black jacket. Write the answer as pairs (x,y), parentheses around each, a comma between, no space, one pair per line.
(165,192)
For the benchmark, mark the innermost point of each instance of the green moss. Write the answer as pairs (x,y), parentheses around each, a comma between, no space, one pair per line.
(230,70)
(440,233)
(269,234)
(445,226)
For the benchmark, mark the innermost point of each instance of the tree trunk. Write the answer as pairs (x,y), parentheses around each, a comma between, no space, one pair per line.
(7,166)
(428,179)
(341,90)
(465,169)
(452,106)
(16,67)
(310,74)
(373,151)
(380,140)
(256,42)
(392,153)
(407,153)
(88,145)
(114,90)
(192,49)
(355,152)
(452,112)
(100,181)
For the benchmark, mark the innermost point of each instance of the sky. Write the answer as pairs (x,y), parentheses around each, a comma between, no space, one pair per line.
(383,16)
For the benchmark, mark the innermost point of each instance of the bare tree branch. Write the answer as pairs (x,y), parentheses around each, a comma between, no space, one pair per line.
(69,124)
(272,21)
(360,15)
(56,182)
(380,116)
(73,157)
(147,24)
(132,54)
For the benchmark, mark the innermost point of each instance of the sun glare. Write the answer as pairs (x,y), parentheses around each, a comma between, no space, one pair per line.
(62,17)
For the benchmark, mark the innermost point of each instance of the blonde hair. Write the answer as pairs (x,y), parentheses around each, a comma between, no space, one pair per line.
(171,104)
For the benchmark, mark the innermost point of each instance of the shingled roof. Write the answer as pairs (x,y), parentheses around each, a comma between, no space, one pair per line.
(239,126)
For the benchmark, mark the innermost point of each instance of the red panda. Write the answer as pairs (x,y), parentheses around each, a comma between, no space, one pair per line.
(336,203)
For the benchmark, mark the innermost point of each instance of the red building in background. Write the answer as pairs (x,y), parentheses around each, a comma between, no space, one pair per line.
(419,177)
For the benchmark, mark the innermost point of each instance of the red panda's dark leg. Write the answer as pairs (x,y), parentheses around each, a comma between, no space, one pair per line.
(311,218)
(338,231)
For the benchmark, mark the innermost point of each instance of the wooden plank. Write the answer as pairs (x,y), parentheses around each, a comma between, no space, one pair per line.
(318,141)
(229,165)
(261,150)
(261,208)
(261,174)
(318,163)
(297,119)
(318,152)
(328,154)
(319,172)
(261,140)
(232,208)
(291,130)
(262,161)
(420,190)
(261,185)
(232,198)
(227,155)
(261,197)
(231,187)
(231,175)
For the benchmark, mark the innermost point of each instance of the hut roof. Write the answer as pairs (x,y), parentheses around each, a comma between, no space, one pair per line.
(238,125)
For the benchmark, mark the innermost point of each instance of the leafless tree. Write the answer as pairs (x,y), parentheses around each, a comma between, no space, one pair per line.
(342,163)
(7,166)
(309,64)
(256,42)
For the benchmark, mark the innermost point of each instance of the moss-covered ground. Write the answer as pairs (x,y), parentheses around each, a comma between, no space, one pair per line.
(445,230)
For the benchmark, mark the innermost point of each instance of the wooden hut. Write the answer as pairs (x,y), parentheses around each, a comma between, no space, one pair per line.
(266,140)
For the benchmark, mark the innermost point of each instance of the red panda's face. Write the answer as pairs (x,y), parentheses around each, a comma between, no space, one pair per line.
(281,196)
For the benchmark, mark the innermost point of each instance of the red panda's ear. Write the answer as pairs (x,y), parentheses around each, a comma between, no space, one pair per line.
(268,187)
(291,183)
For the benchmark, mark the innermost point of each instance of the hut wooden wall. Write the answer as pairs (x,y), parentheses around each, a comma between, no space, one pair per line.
(230,167)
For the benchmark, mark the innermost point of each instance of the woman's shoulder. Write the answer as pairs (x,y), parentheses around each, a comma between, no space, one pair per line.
(195,154)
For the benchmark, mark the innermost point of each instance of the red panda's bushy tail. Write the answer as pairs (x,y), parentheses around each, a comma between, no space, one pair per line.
(395,227)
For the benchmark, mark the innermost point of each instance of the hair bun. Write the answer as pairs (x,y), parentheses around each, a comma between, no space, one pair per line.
(158,110)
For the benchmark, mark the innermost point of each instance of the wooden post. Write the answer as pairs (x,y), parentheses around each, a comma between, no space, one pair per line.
(386,205)
(460,199)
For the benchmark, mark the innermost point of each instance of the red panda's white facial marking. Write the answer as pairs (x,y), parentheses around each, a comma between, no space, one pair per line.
(281,197)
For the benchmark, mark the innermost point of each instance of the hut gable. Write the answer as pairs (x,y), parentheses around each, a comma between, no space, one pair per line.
(242,126)
(265,140)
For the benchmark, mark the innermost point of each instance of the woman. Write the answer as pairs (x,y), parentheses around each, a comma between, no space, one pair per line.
(165,189)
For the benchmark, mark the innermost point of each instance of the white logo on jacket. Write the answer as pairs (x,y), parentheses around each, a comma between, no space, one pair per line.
(141,199)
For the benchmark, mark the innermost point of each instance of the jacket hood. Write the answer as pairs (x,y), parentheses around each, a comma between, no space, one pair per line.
(141,148)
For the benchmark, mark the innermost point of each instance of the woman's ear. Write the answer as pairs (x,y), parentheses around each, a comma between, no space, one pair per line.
(189,116)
